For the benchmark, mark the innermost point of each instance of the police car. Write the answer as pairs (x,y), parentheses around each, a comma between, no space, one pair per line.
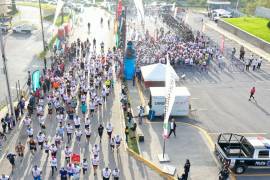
(243,152)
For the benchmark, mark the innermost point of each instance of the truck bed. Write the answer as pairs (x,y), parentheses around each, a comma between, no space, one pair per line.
(234,150)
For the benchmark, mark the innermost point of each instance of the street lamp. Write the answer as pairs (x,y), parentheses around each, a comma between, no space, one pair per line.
(6,75)
(42,31)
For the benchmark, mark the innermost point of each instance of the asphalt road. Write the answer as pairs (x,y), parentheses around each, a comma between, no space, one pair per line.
(220,98)
(21,50)
(129,168)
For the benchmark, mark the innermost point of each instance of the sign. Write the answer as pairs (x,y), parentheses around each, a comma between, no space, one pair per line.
(169,98)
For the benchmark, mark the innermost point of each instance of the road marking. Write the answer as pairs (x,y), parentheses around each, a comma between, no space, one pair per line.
(248,175)
(195,98)
(249,133)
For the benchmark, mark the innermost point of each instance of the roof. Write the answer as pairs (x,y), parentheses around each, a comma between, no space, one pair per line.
(160,91)
(156,72)
(217,2)
(259,142)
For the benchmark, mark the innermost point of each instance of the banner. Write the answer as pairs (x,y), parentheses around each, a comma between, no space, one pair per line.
(119,8)
(35,80)
(169,98)
(59,6)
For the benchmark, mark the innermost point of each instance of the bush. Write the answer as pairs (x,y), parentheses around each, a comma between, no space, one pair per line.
(268,24)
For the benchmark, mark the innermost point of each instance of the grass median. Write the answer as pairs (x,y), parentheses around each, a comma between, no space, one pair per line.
(132,141)
(254,25)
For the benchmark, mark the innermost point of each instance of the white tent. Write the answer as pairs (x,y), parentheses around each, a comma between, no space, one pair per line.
(156,72)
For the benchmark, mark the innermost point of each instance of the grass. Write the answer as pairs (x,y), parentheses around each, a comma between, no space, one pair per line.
(59,19)
(35,4)
(253,25)
(132,142)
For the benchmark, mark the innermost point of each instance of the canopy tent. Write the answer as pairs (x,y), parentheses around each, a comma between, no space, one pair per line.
(154,75)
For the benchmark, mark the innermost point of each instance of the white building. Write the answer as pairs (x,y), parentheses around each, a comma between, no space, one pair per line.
(3,7)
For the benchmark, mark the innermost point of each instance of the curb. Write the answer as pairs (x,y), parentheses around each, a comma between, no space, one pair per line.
(149,164)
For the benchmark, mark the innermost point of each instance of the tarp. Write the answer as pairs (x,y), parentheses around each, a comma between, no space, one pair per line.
(157,72)
(35,80)
(129,68)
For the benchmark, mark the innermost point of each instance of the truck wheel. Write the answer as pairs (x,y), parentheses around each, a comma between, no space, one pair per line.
(240,169)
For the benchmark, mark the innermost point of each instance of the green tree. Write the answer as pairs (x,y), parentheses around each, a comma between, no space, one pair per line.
(13,6)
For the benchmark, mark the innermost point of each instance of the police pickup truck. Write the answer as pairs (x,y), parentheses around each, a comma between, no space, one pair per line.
(241,152)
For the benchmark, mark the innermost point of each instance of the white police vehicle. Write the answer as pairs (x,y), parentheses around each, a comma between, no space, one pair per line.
(243,152)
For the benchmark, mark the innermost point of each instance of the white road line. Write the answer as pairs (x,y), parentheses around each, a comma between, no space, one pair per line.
(195,98)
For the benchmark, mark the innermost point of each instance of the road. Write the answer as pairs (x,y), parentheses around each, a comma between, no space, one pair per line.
(21,50)
(220,99)
(129,168)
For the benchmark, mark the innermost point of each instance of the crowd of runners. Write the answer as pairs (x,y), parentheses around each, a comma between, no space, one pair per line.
(73,92)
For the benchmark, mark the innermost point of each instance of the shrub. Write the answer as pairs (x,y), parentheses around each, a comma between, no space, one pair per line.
(268,24)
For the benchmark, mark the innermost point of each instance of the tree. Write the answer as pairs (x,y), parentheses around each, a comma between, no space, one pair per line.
(13,6)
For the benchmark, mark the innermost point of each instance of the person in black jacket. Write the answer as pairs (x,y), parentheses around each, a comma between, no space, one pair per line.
(186,169)
(100,132)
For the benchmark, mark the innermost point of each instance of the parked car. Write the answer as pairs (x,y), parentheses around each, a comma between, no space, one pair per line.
(4,28)
(24,28)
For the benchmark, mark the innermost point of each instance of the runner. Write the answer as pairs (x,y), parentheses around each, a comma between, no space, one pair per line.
(95,163)
(36,173)
(118,140)
(100,132)
(53,164)
(84,166)
(106,173)
(116,174)
(109,129)
(32,146)
(20,150)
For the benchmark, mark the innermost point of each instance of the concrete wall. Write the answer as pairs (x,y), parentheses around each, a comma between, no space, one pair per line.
(245,35)
(262,12)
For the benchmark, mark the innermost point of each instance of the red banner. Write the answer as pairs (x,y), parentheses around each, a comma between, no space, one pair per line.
(119,8)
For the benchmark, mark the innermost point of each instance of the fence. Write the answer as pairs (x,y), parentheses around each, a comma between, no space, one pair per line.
(20,90)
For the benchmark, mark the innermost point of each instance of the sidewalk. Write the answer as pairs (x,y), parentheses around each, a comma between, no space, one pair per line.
(189,144)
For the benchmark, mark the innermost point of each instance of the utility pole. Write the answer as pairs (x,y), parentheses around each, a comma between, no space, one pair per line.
(236,7)
(42,31)
(6,75)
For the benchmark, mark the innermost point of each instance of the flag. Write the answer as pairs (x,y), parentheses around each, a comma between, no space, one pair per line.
(169,98)
(222,44)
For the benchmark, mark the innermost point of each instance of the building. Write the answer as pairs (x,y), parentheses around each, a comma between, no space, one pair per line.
(3,7)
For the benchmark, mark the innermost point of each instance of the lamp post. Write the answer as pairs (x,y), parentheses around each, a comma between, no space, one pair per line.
(6,75)
(42,31)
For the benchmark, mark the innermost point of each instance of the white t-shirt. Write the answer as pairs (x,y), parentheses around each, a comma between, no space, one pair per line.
(106,173)
(36,172)
(40,138)
(116,173)
(4,178)
(69,129)
(54,162)
(95,161)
